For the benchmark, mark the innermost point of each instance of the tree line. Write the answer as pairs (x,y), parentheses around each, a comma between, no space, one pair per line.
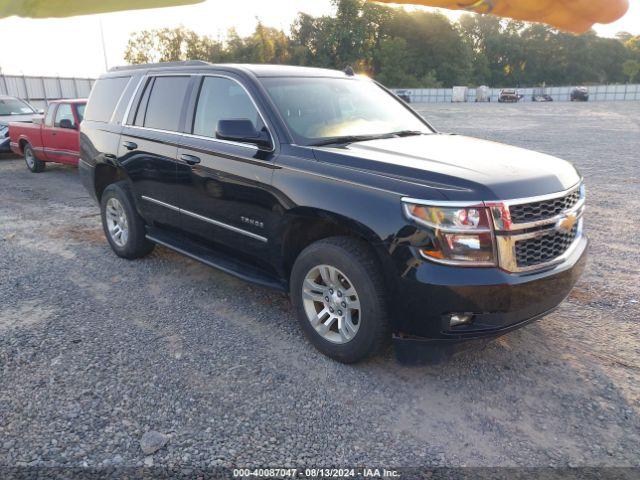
(408,49)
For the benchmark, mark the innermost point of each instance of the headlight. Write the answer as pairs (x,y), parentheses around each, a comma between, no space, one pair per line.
(458,235)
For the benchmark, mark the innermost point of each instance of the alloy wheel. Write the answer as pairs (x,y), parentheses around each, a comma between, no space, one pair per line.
(331,303)
(117,222)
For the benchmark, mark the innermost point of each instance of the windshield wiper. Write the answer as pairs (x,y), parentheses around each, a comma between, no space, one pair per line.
(363,138)
(348,139)
(407,133)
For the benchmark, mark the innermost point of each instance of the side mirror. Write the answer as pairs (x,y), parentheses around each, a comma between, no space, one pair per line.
(242,130)
(66,123)
(41,111)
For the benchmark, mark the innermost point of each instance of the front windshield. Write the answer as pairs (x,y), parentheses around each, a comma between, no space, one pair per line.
(13,106)
(325,108)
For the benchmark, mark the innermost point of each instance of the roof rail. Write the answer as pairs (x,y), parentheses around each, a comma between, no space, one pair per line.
(188,63)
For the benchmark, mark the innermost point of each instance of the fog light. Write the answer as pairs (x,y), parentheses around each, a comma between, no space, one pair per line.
(458,319)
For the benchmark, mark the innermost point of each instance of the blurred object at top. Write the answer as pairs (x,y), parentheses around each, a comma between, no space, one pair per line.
(70,8)
(573,15)
(576,16)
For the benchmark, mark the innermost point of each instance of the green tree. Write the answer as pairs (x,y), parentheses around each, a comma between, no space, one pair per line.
(169,45)
(633,45)
(631,69)
(434,44)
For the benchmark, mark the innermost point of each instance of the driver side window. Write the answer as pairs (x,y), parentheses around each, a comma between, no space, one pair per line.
(223,99)
(64,112)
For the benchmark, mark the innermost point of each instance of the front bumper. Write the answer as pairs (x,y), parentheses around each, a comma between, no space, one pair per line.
(499,301)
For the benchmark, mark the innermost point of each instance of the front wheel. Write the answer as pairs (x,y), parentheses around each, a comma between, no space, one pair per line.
(340,299)
(33,164)
(122,224)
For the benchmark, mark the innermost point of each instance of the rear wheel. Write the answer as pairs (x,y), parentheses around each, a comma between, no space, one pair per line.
(33,164)
(122,224)
(338,293)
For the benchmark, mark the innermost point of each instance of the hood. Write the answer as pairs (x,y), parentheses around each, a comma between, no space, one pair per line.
(7,119)
(462,168)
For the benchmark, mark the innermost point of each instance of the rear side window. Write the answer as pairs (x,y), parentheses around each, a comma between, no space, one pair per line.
(104,98)
(165,103)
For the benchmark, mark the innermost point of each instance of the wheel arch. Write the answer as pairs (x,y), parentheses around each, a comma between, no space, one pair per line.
(23,142)
(105,175)
(304,226)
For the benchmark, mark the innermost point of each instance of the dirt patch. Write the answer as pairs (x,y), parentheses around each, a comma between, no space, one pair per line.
(93,235)
(28,314)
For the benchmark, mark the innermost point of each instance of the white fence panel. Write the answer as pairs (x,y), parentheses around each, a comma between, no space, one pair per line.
(52,88)
(40,90)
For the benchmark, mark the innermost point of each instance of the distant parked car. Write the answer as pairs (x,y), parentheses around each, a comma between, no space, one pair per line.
(12,109)
(580,94)
(509,95)
(52,138)
(542,97)
(404,95)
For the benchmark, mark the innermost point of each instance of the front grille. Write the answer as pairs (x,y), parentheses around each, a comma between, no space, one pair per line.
(536,251)
(534,212)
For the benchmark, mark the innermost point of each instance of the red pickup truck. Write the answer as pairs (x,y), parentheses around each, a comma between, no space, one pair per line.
(54,137)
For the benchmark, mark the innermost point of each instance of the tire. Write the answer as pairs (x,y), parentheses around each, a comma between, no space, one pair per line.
(357,267)
(120,215)
(33,164)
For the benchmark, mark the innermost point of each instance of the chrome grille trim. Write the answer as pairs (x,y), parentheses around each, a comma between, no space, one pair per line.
(507,258)
(508,234)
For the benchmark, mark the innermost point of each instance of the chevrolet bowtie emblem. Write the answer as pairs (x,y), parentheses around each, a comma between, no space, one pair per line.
(566,224)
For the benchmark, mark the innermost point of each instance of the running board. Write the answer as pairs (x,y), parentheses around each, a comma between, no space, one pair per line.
(242,270)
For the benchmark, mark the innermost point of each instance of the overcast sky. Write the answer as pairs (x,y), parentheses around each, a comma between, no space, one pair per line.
(72,46)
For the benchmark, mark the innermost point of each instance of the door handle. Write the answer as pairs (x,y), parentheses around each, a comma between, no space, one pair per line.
(190,159)
(129,145)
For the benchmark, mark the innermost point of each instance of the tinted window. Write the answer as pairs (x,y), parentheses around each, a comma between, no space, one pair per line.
(165,103)
(222,99)
(48,120)
(64,112)
(104,98)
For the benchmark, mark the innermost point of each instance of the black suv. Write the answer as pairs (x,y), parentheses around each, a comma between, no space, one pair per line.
(325,185)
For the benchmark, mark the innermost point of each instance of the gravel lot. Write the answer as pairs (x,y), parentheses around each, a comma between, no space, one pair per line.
(95,350)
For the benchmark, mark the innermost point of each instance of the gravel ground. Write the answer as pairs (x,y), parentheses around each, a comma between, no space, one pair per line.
(95,351)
